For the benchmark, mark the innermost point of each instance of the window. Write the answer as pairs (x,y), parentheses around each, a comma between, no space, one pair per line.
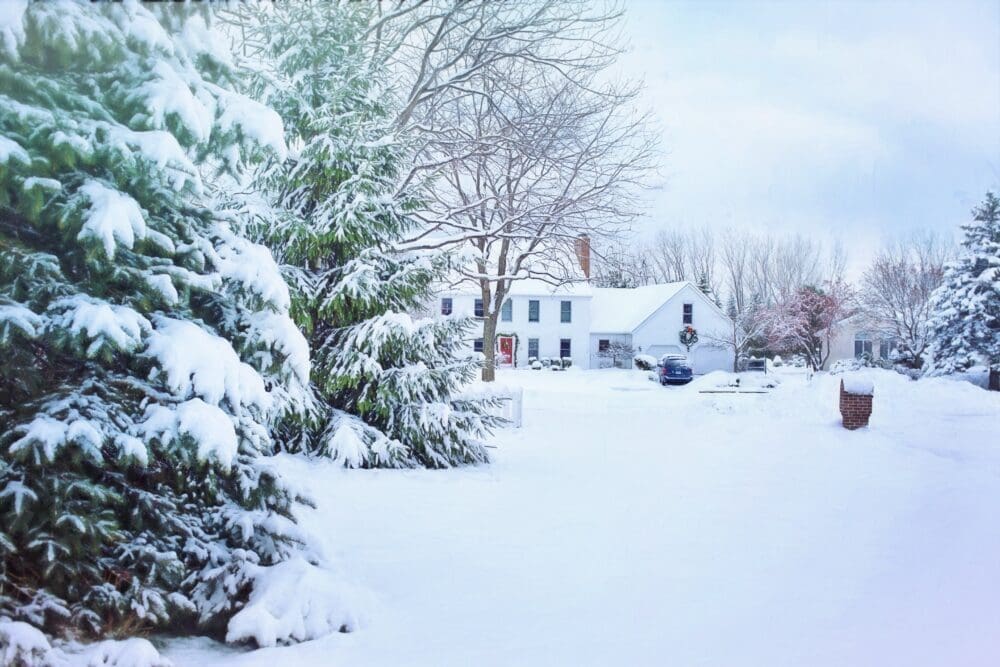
(565,350)
(507,311)
(533,348)
(886,348)
(565,311)
(446,306)
(688,313)
(603,345)
(533,310)
(478,308)
(477,345)
(862,345)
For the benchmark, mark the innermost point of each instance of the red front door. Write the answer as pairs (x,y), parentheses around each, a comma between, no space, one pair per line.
(506,350)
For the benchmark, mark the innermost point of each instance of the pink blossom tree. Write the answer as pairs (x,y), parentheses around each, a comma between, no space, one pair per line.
(808,319)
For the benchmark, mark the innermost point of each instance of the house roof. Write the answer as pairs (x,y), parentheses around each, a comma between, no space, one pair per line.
(622,310)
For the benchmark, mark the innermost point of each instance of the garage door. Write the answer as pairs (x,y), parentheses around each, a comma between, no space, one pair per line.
(660,350)
(705,359)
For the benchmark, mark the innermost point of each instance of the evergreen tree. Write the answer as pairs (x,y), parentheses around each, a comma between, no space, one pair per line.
(966,324)
(145,345)
(731,308)
(386,381)
(706,288)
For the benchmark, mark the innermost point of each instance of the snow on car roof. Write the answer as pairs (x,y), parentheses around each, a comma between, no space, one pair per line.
(621,310)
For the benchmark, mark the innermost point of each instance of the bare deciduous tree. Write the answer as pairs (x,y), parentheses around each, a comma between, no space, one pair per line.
(747,328)
(528,151)
(896,289)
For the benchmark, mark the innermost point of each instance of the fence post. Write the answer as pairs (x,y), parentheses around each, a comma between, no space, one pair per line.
(516,404)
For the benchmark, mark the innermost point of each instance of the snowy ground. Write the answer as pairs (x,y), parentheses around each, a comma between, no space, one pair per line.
(630,524)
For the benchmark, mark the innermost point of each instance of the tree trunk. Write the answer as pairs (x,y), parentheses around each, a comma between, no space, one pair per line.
(994,384)
(490,346)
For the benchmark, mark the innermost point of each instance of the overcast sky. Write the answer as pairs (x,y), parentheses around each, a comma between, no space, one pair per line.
(858,119)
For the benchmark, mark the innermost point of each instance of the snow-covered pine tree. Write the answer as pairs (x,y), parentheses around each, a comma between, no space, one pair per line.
(387,382)
(145,346)
(705,285)
(966,322)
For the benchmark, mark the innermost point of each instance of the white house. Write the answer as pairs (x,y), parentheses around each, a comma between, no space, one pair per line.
(579,321)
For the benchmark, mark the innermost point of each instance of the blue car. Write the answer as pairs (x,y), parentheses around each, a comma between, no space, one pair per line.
(674,370)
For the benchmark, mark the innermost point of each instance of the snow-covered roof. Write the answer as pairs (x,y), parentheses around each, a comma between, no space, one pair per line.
(621,310)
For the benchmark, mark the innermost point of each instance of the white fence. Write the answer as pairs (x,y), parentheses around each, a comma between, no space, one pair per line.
(510,400)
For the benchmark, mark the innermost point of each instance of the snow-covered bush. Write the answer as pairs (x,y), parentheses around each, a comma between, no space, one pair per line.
(146,347)
(644,362)
(849,365)
(333,215)
(22,645)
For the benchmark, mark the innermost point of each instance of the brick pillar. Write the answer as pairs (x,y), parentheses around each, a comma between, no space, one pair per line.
(855,409)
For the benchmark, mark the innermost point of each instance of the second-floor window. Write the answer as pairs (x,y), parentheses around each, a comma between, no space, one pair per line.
(533,310)
(507,311)
(565,311)
(478,308)
(688,313)
(446,306)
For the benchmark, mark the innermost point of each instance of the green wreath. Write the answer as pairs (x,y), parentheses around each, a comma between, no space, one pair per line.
(688,337)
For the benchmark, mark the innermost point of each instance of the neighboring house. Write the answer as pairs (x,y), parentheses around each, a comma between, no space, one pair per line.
(853,341)
(579,322)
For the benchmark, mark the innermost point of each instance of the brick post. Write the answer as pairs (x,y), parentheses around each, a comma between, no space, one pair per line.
(854,408)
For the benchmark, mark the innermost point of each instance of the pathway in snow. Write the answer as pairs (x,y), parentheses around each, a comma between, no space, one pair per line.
(629,524)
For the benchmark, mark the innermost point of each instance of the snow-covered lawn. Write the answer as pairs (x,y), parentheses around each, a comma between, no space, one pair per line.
(631,524)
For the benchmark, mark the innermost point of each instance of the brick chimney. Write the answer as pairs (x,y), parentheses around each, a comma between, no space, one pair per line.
(582,245)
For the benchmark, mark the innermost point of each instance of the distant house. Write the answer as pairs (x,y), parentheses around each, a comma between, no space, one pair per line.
(854,341)
(581,322)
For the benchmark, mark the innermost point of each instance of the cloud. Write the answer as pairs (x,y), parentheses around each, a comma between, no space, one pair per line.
(863,119)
